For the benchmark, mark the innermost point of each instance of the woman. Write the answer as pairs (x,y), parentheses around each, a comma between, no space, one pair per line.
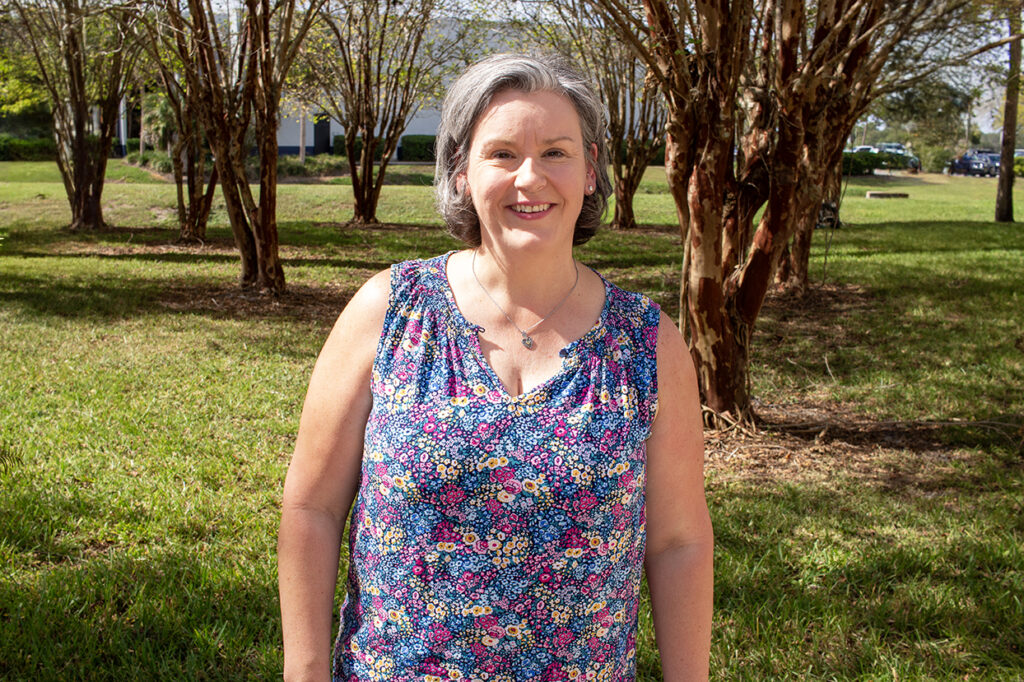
(491,413)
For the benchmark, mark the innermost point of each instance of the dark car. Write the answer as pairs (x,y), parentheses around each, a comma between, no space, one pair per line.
(985,165)
(975,163)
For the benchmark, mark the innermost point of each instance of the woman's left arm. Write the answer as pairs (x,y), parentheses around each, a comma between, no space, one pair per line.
(680,540)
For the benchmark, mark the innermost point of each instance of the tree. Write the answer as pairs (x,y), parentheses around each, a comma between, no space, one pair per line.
(1004,194)
(84,51)
(696,55)
(377,63)
(636,111)
(181,104)
(803,72)
(236,64)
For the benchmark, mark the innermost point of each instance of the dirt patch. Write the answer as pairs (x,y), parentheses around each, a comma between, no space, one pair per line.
(322,303)
(807,441)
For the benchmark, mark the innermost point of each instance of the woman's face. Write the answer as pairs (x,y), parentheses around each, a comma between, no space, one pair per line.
(527,171)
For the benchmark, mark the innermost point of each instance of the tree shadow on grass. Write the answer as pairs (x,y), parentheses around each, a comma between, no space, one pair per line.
(171,614)
(816,569)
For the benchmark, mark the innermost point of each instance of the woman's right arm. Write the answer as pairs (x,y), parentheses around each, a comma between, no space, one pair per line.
(322,481)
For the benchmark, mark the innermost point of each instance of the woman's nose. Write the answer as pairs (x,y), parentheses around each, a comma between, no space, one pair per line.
(529,175)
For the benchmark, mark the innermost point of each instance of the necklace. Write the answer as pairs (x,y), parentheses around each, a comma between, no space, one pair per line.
(525,333)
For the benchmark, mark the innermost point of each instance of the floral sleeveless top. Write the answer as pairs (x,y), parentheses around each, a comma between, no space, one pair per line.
(498,537)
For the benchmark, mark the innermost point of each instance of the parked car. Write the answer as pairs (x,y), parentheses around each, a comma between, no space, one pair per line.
(975,163)
(985,164)
(892,148)
(865,148)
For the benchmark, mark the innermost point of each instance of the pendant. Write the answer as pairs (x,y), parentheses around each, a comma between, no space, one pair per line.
(527,341)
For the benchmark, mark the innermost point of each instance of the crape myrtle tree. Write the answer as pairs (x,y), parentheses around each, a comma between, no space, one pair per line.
(235,62)
(84,51)
(761,96)
(376,63)
(636,110)
(845,54)
(195,183)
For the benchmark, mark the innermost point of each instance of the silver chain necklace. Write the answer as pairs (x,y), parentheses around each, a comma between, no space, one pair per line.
(525,333)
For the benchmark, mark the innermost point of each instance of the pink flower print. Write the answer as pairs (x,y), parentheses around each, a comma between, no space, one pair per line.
(554,673)
(480,547)
(452,494)
(560,430)
(503,474)
(573,538)
(585,501)
(563,637)
(604,618)
(493,396)
(440,634)
(493,506)
(446,533)
(512,487)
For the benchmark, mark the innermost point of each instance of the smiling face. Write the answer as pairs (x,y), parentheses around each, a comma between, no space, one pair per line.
(527,171)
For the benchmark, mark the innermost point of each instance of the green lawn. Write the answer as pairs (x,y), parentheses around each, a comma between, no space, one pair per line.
(872,530)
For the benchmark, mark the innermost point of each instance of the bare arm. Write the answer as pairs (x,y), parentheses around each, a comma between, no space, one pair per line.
(680,540)
(322,481)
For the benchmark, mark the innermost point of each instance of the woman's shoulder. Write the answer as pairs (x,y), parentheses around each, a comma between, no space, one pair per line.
(631,312)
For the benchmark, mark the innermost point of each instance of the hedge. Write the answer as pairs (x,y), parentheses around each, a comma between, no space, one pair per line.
(33,149)
(339,147)
(417,148)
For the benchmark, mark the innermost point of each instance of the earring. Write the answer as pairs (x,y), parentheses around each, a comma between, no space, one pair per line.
(590,189)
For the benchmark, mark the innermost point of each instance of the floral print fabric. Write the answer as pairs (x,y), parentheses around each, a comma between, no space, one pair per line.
(498,537)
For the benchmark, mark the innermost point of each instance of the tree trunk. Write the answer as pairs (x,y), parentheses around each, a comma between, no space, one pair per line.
(364,205)
(1004,194)
(627,180)
(270,275)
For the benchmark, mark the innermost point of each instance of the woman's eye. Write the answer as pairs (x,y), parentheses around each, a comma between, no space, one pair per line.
(501,155)
(557,153)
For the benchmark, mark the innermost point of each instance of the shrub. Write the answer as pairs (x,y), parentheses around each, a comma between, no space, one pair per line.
(339,147)
(1018,166)
(935,159)
(153,159)
(417,148)
(33,149)
(315,166)
(860,163)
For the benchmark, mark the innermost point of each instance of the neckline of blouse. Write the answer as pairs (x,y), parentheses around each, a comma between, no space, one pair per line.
(571,349)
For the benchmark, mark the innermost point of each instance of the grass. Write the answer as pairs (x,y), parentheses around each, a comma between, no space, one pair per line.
(147,412)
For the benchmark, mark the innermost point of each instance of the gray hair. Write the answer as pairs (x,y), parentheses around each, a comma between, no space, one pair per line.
(467,98)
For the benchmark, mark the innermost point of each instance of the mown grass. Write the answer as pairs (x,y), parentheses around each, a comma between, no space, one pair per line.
(147,411)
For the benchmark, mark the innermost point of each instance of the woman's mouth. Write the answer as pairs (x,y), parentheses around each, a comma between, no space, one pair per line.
(530,208)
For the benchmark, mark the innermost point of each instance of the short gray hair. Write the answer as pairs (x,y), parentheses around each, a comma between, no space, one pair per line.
(467,98)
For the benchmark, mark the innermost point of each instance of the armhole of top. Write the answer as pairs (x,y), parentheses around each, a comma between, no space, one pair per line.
(653,411)
(385,330)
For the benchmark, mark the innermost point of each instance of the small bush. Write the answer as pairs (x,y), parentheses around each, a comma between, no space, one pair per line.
(315,166)
(339,147)
(935,159)
(1018,166)
(417,148)
(152,159)
(33,149)
(860,163)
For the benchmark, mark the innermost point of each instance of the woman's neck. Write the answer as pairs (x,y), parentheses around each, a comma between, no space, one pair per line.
(533,279)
